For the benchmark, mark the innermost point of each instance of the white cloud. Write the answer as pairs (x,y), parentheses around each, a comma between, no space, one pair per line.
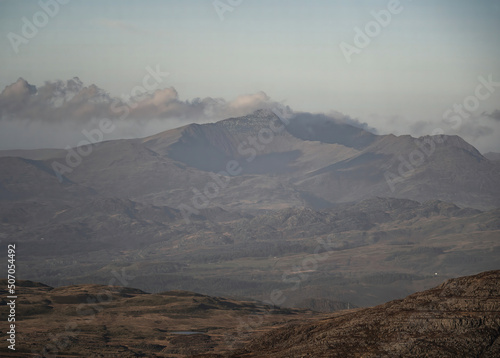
(54,115)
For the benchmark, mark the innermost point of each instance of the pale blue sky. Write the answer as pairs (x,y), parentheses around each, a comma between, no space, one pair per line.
(424,61)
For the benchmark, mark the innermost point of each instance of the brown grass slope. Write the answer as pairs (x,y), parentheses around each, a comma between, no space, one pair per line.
(111,321)
(459,318)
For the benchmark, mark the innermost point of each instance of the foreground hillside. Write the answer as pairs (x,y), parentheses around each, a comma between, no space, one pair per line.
(459,318)
(115,321)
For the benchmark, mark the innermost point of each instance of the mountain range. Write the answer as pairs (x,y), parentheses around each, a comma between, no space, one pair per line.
(236,207)
(309,161)
(299,211)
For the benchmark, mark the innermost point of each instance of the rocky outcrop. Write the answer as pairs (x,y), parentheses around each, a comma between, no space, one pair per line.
(459,318)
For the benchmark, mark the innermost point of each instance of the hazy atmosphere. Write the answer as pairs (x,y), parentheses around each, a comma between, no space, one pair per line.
(228,60)
(250,178)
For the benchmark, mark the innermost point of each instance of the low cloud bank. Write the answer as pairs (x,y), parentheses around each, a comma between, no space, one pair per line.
(54,115)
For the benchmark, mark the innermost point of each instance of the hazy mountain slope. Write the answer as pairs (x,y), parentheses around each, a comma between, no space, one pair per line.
(454,171)
(334,161)
(459,318)
(492,156)
(130,169)
(211,146)
(369,252)
(90,228)
(323,129)
(309,162)
(127,169)
(38,154)
(26,179)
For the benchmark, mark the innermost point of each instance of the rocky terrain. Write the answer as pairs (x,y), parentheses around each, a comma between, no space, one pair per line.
(115,321)
(303,212)
(362,254)
(459,318)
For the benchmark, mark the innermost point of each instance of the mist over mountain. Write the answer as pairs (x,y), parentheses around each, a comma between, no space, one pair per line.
(54,115)
(309,160)
(319,208)
(298,210)
(259,189)
(224,178)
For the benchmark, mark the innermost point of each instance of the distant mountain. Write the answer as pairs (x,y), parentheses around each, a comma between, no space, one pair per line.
(236,207)
(492,156)
(25,179)
(459,318)
(311,161)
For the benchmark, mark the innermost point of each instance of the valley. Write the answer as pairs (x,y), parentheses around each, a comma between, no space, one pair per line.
(307,225)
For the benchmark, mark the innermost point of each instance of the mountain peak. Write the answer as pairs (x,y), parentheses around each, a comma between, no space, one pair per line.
(253,122)
(264,113)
